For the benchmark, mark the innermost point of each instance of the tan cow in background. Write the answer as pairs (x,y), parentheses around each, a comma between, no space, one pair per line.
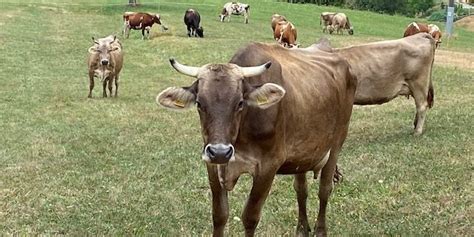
(391,68)
(341,22)
(105,62)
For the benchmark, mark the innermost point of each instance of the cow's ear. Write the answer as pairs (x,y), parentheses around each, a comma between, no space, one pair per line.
(176,98)
(92,50)
(266,95)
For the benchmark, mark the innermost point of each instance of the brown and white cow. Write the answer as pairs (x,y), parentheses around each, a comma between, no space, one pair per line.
(387,69)
(235,8)
(290,118)
(326,20)
(285,33)
(140,21)
(415,28)
(340,22)
(105,61)
(276,18)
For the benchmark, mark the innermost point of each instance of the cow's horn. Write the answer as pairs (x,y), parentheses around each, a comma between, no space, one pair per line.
(186,70)
(95,41)
(255,71)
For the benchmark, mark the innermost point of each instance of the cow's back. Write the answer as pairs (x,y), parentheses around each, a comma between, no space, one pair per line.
(383,68)
(319,96)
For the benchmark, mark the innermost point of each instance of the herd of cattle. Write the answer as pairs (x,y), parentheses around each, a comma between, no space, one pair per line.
(282,110)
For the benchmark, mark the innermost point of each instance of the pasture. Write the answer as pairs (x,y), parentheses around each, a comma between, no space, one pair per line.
(122,166)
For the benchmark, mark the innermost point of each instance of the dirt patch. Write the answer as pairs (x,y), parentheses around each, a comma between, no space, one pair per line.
(466,22)
(454,59)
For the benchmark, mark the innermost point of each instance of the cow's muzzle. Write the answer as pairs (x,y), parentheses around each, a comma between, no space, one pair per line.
(104,62)
(218,153)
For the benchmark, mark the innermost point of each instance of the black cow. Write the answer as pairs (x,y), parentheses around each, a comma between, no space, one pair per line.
(192,20)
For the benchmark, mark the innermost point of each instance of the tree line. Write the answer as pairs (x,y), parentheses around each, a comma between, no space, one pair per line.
(404,7)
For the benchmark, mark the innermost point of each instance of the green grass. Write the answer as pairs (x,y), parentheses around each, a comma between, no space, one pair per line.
(72,165)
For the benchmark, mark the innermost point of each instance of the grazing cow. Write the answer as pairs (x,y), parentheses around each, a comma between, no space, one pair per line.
(391,68)
(276,18)
(235,8)
(105,61)
(255,119)
(326,20)
(340,22)
(140,21)
(415,28)
(192,20)
(285,33)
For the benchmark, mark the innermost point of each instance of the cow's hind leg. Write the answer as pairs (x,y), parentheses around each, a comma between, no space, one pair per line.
(325,189)
(421,108)
(300,186)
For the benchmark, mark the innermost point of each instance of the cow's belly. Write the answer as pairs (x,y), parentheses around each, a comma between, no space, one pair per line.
(312,162)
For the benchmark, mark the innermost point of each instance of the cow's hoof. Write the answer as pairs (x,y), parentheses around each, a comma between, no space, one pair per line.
(417,133)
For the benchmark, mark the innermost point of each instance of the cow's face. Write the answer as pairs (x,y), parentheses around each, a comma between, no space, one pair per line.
(437,37)
(350,31)
(157,19)
(200,32)
(220,93)
(103,49)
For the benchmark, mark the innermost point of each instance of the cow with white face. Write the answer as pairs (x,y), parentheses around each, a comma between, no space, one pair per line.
(235,8)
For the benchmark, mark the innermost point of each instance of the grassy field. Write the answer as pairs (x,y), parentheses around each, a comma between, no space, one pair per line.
(72,165)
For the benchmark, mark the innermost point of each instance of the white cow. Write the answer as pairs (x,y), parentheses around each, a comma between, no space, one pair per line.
(235,8)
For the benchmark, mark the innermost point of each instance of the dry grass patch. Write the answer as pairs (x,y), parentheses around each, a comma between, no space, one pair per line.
(459,60)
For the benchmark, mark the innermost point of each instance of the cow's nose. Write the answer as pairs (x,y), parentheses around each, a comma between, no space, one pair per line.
(219,153)
(104,62)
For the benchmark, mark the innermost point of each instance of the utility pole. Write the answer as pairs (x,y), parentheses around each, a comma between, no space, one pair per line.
(450,18)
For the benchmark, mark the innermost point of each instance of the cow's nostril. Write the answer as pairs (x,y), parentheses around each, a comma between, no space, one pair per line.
(229,153)
(105,62)
(210,152)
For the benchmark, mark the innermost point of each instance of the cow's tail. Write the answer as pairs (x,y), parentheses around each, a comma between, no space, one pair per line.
(430,98)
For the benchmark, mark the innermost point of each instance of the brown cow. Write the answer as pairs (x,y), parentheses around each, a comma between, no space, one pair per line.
(105,61)
(391,68)
(140,21)
(255,119)
(415,28)
(277,18)
(340,22)
(326,20)
(285,33)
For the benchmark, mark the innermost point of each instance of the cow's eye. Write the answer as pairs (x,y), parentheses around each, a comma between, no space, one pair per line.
(240,106)
(198,104)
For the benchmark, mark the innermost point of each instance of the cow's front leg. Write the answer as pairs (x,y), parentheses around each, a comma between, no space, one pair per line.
(104,85)
(326,185)
(300,186)
(116,85)
(91,83)
(143,33)
(110,83)
(220,204)
(252,211)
